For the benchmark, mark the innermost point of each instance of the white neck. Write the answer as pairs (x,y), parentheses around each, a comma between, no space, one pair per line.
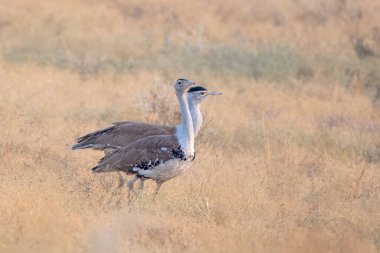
(185,131)
(196,116)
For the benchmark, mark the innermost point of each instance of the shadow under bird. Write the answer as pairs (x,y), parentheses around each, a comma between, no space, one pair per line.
(157,157)
(124,133)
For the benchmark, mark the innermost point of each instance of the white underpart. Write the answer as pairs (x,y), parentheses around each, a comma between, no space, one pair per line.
(166,170)
(185,131)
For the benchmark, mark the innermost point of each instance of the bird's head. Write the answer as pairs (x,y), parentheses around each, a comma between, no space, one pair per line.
(182,85)
(198,94)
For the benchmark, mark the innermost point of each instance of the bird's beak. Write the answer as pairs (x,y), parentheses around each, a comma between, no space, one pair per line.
(214,93)
(191,84)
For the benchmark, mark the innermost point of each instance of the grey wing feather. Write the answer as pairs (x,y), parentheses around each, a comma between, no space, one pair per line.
(145,150)
(120,135)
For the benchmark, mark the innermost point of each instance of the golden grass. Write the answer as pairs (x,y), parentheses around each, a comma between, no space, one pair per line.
(282,166)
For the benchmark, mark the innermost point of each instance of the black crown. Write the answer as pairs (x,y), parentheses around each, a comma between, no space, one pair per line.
(197,88)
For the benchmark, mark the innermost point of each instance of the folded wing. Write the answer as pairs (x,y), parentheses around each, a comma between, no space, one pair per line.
(145,153)
(120,135)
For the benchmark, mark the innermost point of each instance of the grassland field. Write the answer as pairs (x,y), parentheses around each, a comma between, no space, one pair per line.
(289,156)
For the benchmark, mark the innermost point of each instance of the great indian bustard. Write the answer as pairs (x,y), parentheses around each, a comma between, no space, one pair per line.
(158,157)
(122,134)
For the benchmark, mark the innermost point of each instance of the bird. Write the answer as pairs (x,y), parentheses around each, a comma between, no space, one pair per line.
(124,133)
(156,157)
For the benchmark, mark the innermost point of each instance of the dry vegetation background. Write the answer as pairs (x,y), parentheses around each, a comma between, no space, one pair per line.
(289,158)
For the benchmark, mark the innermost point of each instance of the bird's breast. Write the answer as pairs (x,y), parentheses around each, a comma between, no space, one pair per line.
(166,170)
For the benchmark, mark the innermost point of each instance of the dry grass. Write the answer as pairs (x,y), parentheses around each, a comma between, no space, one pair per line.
(295,169)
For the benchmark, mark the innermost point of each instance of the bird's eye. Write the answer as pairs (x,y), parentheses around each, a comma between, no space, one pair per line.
(203,93)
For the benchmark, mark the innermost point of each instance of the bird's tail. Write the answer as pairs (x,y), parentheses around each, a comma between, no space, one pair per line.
(107,147)
(96,169)
(81,146)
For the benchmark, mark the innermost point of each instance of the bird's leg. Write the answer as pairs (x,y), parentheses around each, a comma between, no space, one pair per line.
(159,183)
(142,180)
(121,179)
(130,187)
(141,186)
(131,182)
